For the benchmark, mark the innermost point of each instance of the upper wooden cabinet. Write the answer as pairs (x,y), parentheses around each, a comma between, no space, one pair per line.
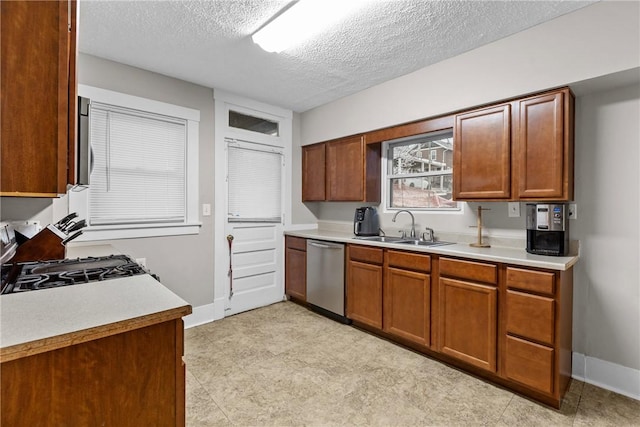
(344,169)
(313,172)
(544,143)
(518,150)
(38,97)
(482,154)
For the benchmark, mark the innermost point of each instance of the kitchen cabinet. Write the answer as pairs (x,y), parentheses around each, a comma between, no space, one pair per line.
(468,323)
(295,273)
(132,378)
(407,296)
(364,285)
(537,332)
(313,172)
(344,169)
(38,87)
(517,150)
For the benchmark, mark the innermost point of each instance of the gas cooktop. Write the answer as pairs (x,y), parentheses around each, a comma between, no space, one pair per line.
(31,276)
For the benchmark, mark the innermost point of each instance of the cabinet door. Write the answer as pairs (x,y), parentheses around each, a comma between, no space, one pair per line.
(468,322)
(313,173)
(37,99)
(364,293)
(407,305)
(345,169)
(295,275)
(544,149)
(482,154)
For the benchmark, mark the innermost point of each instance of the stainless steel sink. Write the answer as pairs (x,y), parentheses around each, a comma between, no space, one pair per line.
(404,241)
(388,239)
(425,243)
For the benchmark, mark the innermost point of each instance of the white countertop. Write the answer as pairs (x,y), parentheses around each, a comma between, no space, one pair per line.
(37,321)
(496,254)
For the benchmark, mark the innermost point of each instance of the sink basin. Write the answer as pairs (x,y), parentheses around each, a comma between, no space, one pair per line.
(425,243)
(388,239)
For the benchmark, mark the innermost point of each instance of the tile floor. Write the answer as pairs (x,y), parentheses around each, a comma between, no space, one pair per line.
(283,365)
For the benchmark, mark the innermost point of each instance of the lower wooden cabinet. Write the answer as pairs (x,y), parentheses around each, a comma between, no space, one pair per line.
(509,324)
(135,378)
(295,272)
(537,334)
(468,322)
(407,296)
(364,285)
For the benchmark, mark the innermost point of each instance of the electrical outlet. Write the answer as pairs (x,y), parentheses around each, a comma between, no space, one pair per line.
(573,211)
(142,262)
(514,209)
(206,209)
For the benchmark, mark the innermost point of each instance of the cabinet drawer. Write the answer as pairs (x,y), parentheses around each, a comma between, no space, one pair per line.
(530,364)
(409,261)
(470,270)
(530,280)
(530,316)
(365,254)
(296,243)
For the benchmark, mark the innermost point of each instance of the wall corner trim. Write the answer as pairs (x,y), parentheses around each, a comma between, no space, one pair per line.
(611,376)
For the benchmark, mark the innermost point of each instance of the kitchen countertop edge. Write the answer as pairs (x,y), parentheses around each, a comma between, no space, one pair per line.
(495,254)
(46,320)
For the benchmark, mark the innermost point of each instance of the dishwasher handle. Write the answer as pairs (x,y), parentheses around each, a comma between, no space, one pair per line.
(323,246)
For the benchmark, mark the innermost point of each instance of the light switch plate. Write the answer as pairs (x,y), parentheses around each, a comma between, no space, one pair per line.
(206,209)
(573,211)
(514,209)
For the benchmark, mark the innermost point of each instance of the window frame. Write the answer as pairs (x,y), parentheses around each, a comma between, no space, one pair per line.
(387,176)
(78,196)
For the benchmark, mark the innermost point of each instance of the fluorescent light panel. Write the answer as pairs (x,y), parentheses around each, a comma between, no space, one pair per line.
(301,21)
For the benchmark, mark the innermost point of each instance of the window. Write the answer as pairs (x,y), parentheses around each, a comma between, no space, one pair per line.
(144,178)
(254,124)
(419,172)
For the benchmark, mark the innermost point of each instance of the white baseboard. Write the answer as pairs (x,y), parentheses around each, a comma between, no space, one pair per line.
(199,316)
(610,376)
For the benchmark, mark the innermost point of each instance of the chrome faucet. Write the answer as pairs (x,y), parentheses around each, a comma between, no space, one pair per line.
(428,233)
(413,222)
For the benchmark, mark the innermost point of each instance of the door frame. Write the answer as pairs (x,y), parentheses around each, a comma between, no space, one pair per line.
(223,101)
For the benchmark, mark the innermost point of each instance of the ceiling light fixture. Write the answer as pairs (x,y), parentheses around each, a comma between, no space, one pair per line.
(301,21)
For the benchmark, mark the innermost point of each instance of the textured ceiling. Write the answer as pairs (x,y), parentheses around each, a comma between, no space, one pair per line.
(209,42)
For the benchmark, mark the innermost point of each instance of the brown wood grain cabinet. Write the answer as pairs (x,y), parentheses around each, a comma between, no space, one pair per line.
(133,378)
(313,172)
(537,315)
(516,150)
(38,87)
(344,169)
(364,285)
(295,273)
(544,143)
(482,154)
(407,296)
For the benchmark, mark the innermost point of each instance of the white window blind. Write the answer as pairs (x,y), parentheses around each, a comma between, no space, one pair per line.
(254,182)
(139,167)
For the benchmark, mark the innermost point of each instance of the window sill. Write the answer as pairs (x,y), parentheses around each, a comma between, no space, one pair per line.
(113,232)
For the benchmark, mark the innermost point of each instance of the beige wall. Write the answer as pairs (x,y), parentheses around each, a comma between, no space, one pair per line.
(607,277)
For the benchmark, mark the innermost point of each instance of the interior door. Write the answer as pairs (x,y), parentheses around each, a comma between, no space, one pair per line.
(254,225)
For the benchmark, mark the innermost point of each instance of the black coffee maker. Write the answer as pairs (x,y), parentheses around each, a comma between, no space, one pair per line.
(547,229)
(366,222)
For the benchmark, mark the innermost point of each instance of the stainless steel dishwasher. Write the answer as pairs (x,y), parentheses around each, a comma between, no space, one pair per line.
(325,278)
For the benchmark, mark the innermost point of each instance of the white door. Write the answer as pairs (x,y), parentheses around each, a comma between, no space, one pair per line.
(254,225)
